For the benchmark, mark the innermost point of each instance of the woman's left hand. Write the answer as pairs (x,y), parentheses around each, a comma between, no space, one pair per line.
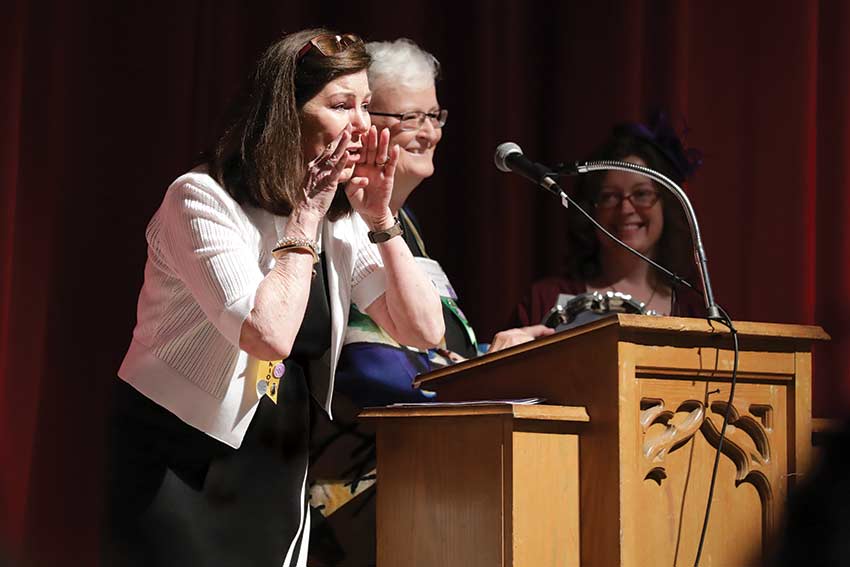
(371,186)
(513,337)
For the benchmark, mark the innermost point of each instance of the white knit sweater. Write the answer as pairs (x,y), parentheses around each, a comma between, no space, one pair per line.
(206,257)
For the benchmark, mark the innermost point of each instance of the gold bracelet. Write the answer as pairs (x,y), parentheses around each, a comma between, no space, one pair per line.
(292,244)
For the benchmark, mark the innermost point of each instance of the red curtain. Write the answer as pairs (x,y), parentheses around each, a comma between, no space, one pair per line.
(105,102)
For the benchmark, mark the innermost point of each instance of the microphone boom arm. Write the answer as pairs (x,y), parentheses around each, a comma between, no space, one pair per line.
(699,252)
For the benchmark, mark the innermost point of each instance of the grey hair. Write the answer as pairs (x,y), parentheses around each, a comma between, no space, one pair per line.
(401,62)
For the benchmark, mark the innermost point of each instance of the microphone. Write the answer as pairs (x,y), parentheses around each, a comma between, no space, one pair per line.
(509,158)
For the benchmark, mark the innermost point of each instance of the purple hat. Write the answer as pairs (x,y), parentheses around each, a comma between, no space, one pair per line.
(662,136)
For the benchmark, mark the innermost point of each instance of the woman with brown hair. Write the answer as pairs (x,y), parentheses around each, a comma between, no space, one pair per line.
(253,260)
(639,212)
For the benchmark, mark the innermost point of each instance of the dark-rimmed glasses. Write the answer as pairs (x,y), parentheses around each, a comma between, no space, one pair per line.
(329,44)
(416,119)
(639,198)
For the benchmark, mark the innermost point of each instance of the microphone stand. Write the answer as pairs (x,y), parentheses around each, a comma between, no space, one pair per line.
(712,309)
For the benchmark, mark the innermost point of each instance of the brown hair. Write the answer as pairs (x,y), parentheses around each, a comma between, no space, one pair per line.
(258,158)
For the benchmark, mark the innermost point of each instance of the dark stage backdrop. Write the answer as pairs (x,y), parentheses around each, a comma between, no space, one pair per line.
(103,103)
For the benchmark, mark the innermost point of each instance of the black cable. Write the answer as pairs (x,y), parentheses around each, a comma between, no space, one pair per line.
(728,322)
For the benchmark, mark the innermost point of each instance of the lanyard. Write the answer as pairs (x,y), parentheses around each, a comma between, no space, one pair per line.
(453,307)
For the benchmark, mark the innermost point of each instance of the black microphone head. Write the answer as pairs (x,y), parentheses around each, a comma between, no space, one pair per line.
(502,153)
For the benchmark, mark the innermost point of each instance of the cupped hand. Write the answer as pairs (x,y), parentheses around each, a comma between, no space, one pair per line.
(322,177)
(371,185)
(513,337)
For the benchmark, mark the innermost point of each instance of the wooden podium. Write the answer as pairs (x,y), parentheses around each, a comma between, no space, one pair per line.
(624,484)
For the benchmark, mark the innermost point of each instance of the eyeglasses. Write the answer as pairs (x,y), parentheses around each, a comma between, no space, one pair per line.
(639,198)
(329,44)
(416,119)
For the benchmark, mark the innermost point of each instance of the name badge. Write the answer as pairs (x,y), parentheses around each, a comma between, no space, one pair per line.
(267,375)
(437,276)
(447,293)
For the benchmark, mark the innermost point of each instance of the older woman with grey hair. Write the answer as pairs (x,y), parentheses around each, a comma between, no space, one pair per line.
(374,369)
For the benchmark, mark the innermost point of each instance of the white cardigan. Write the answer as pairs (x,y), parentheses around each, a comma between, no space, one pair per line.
(206,257)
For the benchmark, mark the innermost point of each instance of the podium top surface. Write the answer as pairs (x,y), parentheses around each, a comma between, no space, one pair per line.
(704,326)
(655,330)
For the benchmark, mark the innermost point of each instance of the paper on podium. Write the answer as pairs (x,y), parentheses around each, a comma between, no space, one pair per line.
(518,401)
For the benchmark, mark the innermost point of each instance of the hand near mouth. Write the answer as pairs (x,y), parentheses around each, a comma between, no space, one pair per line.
(371,186)
(323,174)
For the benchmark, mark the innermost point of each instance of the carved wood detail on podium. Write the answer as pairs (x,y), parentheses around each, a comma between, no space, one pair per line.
(680,423)
(672,436)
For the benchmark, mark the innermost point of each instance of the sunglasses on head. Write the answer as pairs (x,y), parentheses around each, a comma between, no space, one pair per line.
(329,44)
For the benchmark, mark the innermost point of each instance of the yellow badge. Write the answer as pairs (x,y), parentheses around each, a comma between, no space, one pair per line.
(267,377)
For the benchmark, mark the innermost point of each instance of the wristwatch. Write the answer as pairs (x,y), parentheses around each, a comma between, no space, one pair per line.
(379,236)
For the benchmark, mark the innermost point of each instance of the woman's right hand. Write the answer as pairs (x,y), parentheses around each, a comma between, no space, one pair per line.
(322,178)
